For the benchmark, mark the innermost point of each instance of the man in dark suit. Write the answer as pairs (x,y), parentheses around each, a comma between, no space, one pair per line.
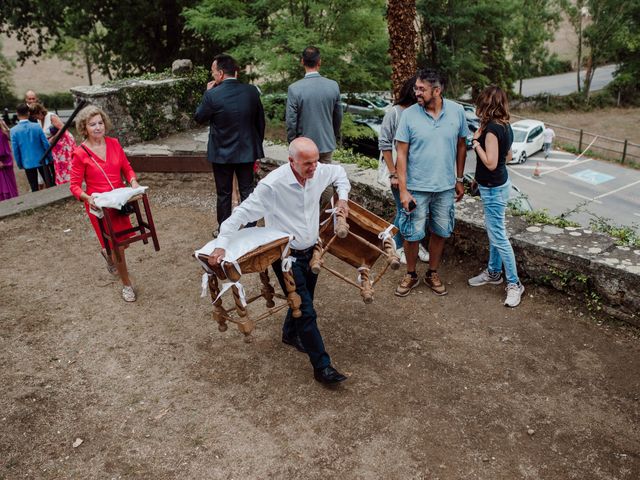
(236,131)
(314,109)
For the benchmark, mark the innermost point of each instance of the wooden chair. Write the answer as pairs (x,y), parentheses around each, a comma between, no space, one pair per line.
(360,240)
(256,261)
(145,227)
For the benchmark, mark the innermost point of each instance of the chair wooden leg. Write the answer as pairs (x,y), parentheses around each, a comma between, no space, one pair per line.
(152,227)
(392,257)
(267,289)
(292,297)
(366,288)
(219,315)
(316,259)
(141,229)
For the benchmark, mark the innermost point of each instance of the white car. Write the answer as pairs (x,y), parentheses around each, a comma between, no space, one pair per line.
(527,139)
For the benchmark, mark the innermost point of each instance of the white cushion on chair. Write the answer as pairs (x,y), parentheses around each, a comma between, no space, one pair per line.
(244,241)
(117,197)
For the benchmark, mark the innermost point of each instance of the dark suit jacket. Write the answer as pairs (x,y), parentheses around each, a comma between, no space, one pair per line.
(236,122)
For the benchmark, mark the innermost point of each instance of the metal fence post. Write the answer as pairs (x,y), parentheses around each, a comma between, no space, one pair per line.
(624,150)
(580,141)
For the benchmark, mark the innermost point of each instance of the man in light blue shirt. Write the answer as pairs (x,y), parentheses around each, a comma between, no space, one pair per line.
(431,156)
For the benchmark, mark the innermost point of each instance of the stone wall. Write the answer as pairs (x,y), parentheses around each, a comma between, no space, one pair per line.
(142,109)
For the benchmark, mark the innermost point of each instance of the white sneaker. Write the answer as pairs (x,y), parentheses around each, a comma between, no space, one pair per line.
(128,294)
(401,255)
(514,294)
(423,255)
(484,278)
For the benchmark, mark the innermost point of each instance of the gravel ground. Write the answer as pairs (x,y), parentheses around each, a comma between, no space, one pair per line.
(439,387)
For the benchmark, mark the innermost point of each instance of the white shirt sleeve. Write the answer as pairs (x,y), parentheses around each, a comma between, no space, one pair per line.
(340,181)
(250,210)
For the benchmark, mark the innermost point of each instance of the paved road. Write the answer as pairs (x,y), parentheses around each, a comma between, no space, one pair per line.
(565,83)
(565,182)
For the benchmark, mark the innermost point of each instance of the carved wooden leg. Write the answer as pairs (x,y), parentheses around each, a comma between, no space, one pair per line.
(316,259)
(246,325)
(392,256)
(342,227)
(219,314)
(292,297)
(366,288)
(267,290)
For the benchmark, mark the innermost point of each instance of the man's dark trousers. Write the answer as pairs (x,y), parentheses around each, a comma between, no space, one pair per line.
(32,177)
(306,326)
(223,176)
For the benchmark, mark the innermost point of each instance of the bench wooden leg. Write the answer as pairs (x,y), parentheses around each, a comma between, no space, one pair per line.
(219,315)
(267,289)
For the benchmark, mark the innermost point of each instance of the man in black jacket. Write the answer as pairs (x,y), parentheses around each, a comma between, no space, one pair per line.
(236,131)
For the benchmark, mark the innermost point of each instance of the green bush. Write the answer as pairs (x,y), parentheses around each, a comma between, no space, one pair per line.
(275,105)
(574,101)
(58,100)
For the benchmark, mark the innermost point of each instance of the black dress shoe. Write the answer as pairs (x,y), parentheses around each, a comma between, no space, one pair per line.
(294,342)
(328,375)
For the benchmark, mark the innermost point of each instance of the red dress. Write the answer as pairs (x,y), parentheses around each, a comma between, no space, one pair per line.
(116,165)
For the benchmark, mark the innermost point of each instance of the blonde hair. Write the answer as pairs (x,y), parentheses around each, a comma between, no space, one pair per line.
(87,113)
(492,104)
(4,128)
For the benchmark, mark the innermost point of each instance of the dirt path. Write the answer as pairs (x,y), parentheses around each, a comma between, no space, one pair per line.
(440,388)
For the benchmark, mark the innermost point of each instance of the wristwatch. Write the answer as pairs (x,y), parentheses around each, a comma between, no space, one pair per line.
(393,175)
(460,179)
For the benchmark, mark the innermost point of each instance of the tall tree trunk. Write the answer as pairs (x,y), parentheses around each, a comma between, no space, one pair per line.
(401,15)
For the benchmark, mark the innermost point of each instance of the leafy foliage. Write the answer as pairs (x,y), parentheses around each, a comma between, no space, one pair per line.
(122,39)
(468,42)
(624,235)
(7,98)
(346,155)
(270,35)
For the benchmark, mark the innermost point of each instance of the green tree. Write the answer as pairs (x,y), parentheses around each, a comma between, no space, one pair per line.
(139,35)
(576,12)
(603,34)
(535,23)
(468,42)
(626,52)
(7,98)
(269,36)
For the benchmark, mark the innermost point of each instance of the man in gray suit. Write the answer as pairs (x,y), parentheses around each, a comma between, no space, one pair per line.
(314,109)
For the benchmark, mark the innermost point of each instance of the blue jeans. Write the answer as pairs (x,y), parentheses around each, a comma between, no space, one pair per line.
(304,327)
(433,209)
(494,201)
(398,238)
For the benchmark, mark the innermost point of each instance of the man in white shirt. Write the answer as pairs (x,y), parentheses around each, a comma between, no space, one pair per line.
(289,200)
(548,135)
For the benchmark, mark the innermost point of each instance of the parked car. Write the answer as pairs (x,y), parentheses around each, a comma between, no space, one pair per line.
(365,104)
(517,200)
(527,139)
(470,113)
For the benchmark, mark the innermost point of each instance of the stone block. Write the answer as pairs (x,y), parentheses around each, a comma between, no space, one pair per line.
(181,66)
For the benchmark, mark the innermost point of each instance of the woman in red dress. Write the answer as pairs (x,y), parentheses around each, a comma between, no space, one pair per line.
(101,164)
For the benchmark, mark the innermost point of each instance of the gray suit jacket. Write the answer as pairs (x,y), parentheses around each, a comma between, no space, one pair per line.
(314,111)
